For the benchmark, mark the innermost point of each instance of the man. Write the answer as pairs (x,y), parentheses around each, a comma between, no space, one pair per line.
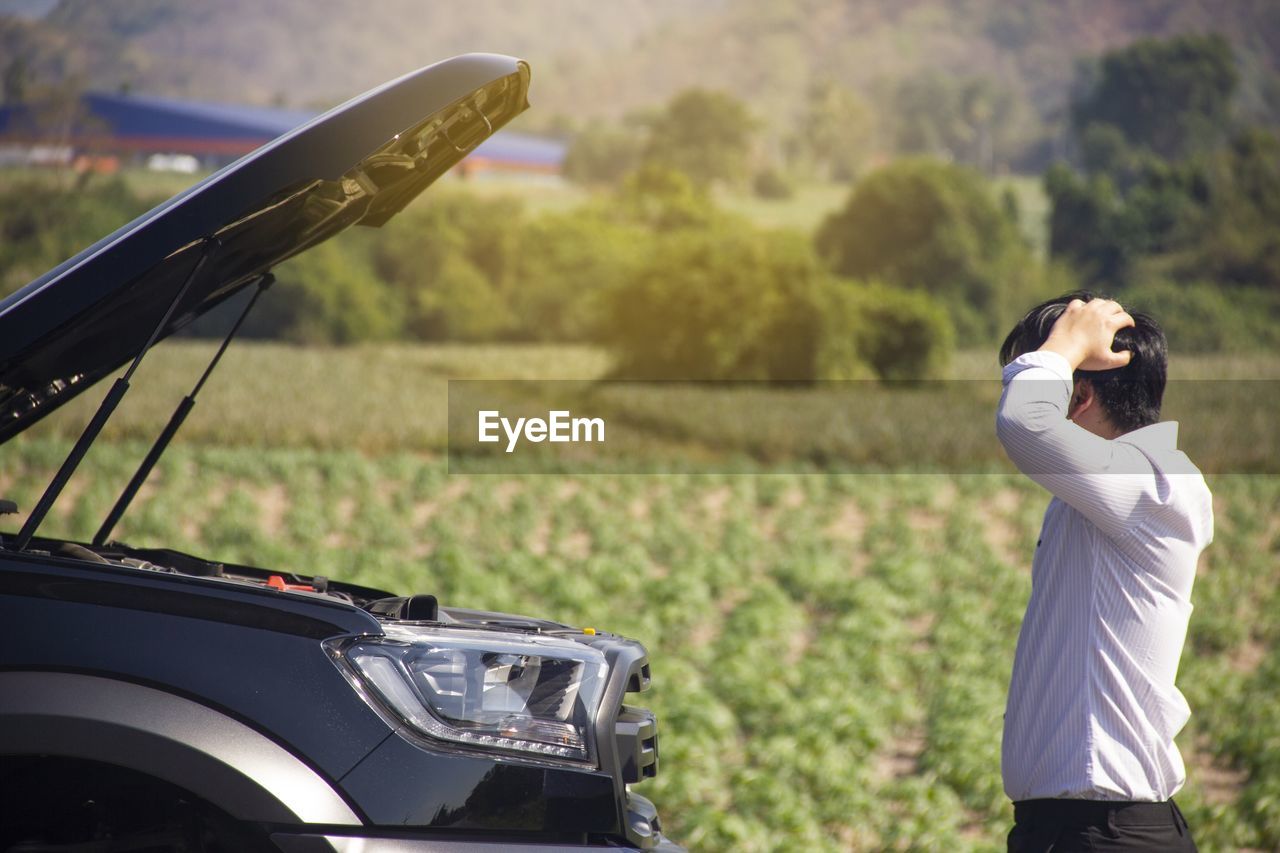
(1088,754)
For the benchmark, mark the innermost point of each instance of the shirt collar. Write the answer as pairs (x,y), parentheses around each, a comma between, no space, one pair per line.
(1161,436)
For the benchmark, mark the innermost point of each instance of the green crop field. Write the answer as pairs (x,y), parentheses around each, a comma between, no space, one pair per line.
(830,651)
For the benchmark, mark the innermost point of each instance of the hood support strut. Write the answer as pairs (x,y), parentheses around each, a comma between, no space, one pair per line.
(175,422)
(105,410)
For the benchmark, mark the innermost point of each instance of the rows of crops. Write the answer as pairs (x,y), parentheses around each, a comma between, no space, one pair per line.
(830,651)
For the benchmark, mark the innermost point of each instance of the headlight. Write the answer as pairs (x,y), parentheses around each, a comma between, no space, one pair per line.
(529,694)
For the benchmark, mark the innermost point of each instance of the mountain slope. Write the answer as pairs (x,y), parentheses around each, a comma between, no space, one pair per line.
(594,58)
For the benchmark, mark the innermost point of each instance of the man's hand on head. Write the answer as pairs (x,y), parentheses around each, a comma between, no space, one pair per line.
(1083,334)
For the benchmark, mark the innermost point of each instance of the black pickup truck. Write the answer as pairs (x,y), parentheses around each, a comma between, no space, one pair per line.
(156,700)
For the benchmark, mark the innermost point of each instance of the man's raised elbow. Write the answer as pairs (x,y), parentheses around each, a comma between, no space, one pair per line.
(1017,429)
(1010,426)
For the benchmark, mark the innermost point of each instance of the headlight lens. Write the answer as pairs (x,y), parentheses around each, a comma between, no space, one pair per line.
(530,694)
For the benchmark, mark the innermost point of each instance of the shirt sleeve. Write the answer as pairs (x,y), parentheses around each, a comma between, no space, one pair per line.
(1111,483)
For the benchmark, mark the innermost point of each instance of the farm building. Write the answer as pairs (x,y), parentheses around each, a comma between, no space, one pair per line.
(102,131)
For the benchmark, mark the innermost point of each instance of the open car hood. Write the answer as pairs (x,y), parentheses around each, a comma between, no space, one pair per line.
(358,164)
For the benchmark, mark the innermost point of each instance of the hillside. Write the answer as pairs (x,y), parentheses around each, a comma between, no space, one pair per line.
(607,58)
(316,52)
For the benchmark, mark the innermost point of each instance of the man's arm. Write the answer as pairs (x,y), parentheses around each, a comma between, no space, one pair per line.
(1109,482)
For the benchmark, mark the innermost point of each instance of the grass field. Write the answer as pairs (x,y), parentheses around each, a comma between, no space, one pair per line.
(382,398)
(830,651)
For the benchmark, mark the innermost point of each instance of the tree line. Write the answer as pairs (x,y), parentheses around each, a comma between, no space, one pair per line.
(1163,200)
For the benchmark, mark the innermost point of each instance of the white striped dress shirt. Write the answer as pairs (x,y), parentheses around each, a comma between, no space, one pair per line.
(1092,708)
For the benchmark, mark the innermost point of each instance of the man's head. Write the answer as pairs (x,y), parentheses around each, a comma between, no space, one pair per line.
(1129,397)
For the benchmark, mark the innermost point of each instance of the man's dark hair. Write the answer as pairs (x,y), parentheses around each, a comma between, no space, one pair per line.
(1130,395)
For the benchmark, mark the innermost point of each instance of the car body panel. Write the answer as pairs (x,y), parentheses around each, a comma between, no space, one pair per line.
(169,737)
(211,648)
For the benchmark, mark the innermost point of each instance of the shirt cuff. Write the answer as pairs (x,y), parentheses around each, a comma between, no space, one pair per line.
(1042,359)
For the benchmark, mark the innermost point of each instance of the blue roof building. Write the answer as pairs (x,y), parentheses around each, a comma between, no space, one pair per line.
(134,126)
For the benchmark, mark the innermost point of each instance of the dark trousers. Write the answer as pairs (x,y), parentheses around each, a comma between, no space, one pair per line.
(1067,826)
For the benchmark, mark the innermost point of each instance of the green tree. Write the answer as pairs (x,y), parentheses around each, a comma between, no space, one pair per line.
(1106,231)
(661,198)
(1209,218)
(705,134)
(1230,234)
(837,132)
(43,222)
(898,334)
(570,265)
(1085,225)
(732,302)
(460,303)
(453,262)
(1201,316)
(933,227)
(1104,151)
(718,303)
(1170,96)
(328,295)
(971,120)
(603,153)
